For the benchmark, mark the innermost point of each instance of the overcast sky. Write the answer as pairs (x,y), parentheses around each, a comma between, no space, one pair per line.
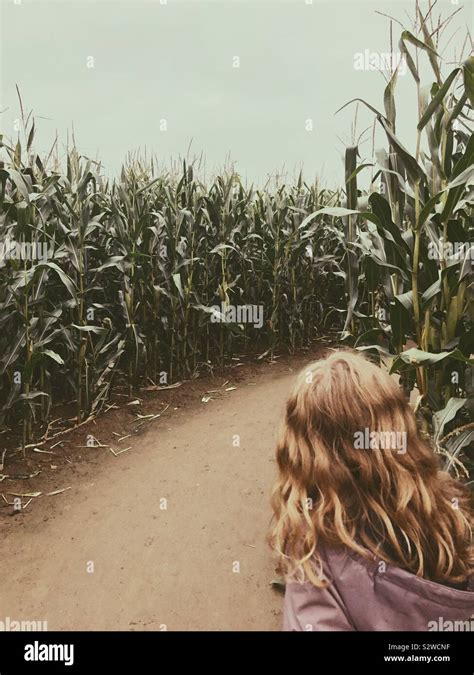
(131,75)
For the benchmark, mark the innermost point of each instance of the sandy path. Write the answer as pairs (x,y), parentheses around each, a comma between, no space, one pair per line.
(154,566)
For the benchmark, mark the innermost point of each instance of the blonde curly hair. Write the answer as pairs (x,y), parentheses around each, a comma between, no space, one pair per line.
(396,505)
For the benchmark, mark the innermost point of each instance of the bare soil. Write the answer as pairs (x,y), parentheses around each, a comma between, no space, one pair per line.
(168,534)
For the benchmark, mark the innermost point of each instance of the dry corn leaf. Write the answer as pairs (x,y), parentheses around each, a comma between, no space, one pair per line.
(24,494)
(57,492)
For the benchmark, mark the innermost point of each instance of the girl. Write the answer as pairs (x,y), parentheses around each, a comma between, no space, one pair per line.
(369,532)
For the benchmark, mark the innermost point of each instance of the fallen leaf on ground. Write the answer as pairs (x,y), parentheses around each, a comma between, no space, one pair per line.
(57,492)
(24,494)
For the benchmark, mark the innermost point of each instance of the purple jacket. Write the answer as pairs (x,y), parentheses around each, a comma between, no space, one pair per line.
(373,595)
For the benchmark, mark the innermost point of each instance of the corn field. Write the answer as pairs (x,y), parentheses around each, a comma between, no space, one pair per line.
(126,282)
(136,275)
(409,238)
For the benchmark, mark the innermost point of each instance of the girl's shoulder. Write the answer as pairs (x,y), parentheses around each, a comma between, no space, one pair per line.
(365,593)
(347,568)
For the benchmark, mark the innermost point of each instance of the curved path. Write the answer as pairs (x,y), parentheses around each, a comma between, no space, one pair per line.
(171,534)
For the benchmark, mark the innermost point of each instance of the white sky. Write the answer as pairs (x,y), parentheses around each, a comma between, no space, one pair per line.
(174,62)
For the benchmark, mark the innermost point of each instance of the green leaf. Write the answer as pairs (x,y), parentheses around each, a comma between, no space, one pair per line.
(66,279)
(413,169)
(409,37)
(53,355)
(90,329)
(437,99)
(468,76)
(417,357)
(456,443)
(406,299)
(400,319)
(448,413)
(431,291)
(113,261)
(178,284)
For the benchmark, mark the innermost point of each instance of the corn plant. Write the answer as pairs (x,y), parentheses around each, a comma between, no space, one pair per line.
(137,270)
(409,248)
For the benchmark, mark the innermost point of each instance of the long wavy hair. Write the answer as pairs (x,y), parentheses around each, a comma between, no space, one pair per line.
(379,499)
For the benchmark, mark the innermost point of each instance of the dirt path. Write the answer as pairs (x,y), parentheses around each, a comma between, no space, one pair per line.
(201,563)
